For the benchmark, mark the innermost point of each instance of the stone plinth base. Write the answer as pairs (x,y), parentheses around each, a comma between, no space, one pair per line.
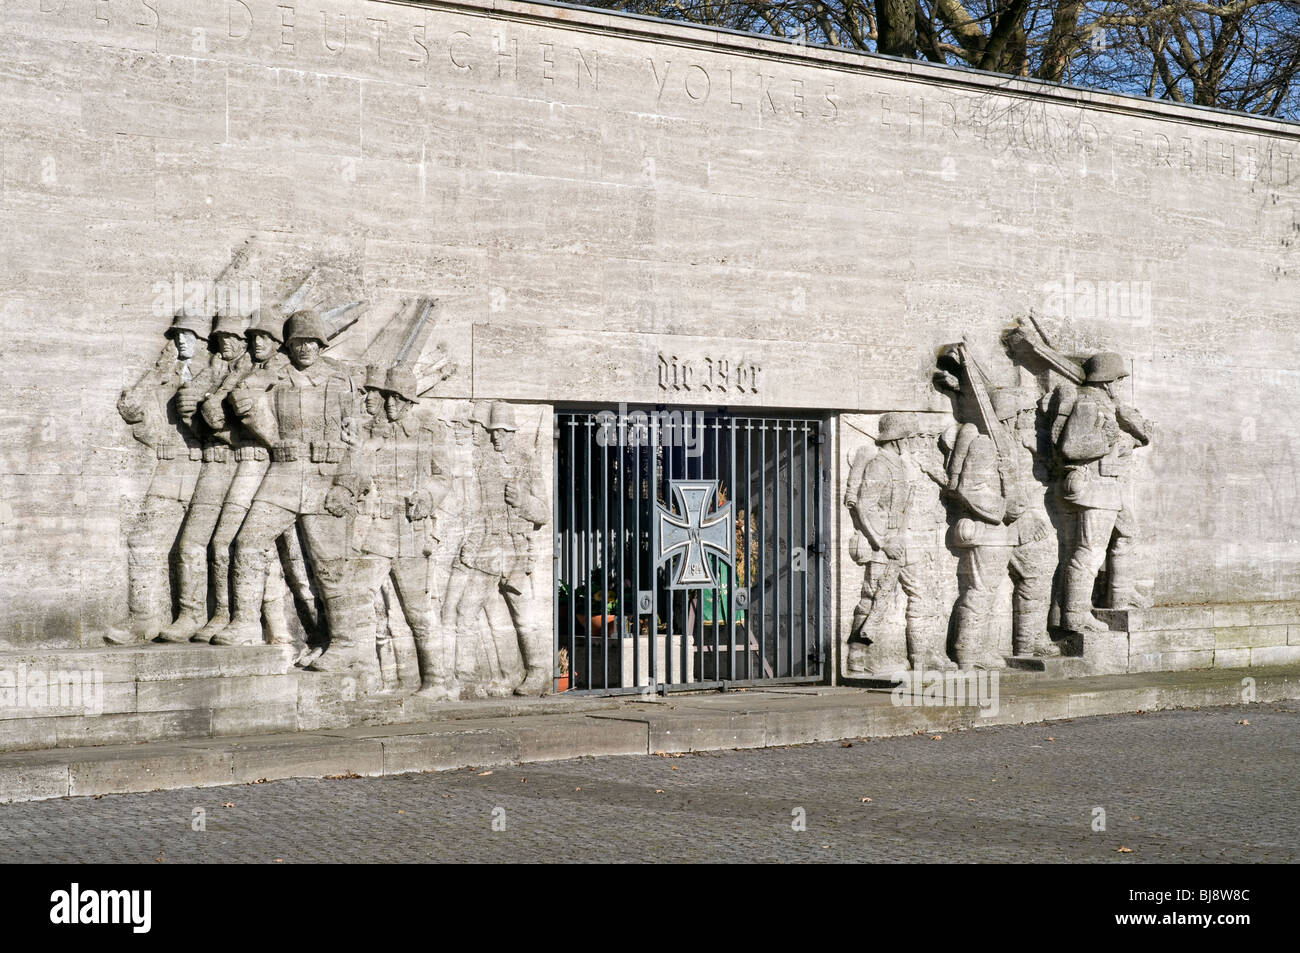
(150,692)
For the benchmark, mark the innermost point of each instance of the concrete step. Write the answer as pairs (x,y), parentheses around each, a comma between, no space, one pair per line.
(471,735)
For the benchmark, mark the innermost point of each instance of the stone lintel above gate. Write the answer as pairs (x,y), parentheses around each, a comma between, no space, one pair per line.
(568,364)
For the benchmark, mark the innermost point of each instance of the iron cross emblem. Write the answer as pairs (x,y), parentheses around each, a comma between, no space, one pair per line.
(695,530)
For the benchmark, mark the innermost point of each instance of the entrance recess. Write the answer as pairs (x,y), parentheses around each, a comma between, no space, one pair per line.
(690,549)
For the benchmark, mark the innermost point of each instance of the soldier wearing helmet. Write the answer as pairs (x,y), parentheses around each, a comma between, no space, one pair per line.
(896,506)
(300,416)
(160,410)
(1003,529)
(215,474)
(496,555)
(1095,446)
(255,369)
(398,475)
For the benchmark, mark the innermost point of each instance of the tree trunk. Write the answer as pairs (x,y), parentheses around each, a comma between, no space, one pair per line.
(896,27)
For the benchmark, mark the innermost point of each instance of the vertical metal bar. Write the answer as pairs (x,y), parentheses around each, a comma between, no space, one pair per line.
(620,474)
(557,542)
(652,491)
(571,478)
(589,543)
(731,570)
(762,546)
(717,595)
(807,544)
(636,559)
(603,608)
(749,546)
(789,520)
(818,598)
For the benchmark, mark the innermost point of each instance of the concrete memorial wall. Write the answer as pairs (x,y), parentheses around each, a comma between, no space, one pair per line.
(525,206)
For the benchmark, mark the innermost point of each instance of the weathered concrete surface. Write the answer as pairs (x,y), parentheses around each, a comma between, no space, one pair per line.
(473,735)
(639,189)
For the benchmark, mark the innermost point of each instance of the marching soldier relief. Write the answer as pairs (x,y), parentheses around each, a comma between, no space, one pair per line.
(277,463)
(1016,457)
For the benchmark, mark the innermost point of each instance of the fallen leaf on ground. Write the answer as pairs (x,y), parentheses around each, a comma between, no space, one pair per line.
(1243,722)
(484,774)
(846,744)
(228,804)
(401,812)
(673,768)
(1123,850)
(936,737)
(866,800)
(659,790)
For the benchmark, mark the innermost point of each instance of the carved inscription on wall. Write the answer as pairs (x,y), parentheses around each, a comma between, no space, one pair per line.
(709,374)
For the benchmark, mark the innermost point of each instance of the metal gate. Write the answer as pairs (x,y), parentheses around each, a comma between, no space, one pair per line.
(690,550)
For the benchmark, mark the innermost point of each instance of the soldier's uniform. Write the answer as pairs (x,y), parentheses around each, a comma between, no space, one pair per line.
(252,458)
(898,506)
(1096,446)
(1004,529)
(159,422)
(215,474)
(302,420)
(496,554)
(389,487)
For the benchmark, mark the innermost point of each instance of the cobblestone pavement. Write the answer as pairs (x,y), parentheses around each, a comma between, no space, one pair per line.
(1198,785)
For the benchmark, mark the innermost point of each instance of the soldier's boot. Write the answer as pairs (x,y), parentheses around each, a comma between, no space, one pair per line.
(145,617)
(1076,611)
(219,570)
(245,626)
(538,664)
(192,581)
(438,680)
(1029,634)
(351,618)
(1124,593)
(385,650)
(924,650)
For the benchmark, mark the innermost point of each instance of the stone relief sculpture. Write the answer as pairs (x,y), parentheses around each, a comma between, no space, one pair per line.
(495,559)
(1017,457)
(301,416)
(162,420)
(895,505)
(388,489)
(261,361)
(276,462)
(1096,446)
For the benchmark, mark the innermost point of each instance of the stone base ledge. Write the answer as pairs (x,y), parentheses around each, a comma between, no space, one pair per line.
(479,736)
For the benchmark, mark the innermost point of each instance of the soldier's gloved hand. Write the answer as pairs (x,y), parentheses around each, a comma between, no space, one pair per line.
(187,399)
(417,508)
(893,548)
(350,431)
(1015,508)
(241,401)
(212,413)
(1111,430)
(129,409)
(513,496)
(339,502)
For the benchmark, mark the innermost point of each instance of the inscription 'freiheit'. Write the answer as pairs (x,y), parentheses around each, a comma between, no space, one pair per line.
(716,375)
